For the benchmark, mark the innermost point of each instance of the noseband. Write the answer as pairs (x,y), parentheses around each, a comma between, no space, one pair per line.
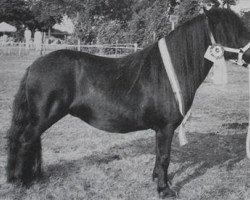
(219,49)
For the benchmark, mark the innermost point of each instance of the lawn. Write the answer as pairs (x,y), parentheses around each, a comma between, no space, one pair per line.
(81,162)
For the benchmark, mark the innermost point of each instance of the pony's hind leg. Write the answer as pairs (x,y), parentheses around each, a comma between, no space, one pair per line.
(37,106)
(42,116)
(29,157)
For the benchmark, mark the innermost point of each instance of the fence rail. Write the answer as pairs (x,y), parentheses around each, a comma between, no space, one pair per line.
(12,48)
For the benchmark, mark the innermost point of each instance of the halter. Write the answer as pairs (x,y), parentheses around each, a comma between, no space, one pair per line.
(239,51)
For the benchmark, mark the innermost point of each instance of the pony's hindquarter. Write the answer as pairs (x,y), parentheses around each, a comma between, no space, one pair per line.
(42,100)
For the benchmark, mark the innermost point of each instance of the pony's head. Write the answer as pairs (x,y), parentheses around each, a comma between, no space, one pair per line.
(228,30)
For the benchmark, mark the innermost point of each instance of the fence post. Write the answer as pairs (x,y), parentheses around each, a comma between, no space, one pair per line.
(78,45)
(135,47)
(27,44)
(19,48)
(173,19)
(99,49)
(154,36)
(116,43)
(43,43)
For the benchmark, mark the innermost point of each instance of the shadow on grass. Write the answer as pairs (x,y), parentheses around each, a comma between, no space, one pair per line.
(117,152)
(203,150)
(207,151)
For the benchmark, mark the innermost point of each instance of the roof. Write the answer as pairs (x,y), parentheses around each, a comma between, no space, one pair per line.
(5,27)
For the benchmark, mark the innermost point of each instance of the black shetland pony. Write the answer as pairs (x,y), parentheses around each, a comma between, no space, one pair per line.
(116,95)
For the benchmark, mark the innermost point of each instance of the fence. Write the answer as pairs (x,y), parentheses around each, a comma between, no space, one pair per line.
(114,50)
(12,48)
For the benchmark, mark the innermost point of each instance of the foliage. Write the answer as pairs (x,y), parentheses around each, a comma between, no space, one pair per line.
(130,21)
(188,9)
(246,19)
(228,3)
(111,32)
(223,3)
(150,22)
(15,12)
(45,13)
(94,18)
(42,14)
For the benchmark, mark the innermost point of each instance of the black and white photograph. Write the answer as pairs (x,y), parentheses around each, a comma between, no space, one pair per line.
(124,99)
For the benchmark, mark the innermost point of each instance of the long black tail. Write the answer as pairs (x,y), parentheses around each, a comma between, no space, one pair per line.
(20,120)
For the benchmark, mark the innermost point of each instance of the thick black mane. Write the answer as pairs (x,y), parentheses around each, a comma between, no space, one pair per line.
(227,27)
(187,45)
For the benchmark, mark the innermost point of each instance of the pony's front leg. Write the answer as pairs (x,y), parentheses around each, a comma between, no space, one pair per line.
(163,147)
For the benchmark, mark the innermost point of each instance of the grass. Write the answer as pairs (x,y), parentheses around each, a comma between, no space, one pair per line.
(81,162)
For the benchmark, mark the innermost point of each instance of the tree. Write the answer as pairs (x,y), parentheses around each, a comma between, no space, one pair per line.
(89,17)
(212,3)
(246,19)
(42,14)
(15,12)
(45,13)
(150,21)
(228,3)
(188,10)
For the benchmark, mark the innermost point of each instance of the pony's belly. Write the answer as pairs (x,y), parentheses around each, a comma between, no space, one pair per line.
(109,120)
(118,126)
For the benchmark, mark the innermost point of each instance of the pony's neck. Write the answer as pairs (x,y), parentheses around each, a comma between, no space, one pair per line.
(187,46)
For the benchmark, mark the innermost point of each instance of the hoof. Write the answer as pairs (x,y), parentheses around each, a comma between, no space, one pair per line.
(21,180)
(12,178)
(167,193)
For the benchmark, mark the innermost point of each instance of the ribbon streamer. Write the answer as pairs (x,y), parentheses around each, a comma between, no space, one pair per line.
(175,86)
(182,134)
(220,72)
(215,54)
